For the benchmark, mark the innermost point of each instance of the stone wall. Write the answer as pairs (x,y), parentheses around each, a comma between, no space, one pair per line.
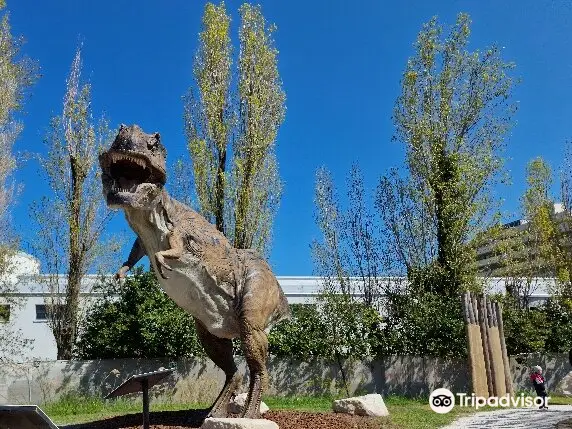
(199,381)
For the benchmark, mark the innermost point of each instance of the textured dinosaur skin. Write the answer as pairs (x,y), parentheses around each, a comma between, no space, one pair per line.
(231,293)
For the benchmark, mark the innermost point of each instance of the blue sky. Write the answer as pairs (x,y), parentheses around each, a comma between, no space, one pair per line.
(340,63)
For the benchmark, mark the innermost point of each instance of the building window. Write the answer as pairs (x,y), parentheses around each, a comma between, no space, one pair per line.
(4,313)
(43,311)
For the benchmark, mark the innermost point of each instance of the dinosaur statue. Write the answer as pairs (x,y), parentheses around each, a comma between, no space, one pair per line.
(231,293)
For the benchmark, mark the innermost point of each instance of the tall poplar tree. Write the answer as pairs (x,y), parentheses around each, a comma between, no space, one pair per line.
(232,129)
(72,219)
(17,74)
(453,113)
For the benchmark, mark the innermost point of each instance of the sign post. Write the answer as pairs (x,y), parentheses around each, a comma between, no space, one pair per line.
(141,383)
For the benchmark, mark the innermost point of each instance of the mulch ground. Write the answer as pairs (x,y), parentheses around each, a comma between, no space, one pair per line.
(194,418)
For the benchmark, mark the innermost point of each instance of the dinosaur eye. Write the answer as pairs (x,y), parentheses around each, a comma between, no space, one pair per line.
(153,142)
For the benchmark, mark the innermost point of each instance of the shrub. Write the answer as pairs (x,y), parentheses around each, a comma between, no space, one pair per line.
(424,324)
(524,329)
(136,319)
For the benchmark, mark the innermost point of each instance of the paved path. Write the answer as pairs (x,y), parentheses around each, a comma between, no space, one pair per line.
(515,418)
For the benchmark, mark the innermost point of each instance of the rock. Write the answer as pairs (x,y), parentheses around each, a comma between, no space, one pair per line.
(564,388)
(216,423)
(236,405)
(367,405)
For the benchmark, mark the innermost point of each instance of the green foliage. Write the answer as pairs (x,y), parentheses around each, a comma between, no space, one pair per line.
(558,313)
(351,326)
(425,324)
(301,337)
(256,185)
(333,329)
(208,122)
(141,322)
(541,247)
(547,233)
(452,115)
(17,74)
(543,329)
(239,194)
(525,329)
(339,328)
(350,259)
(72,219)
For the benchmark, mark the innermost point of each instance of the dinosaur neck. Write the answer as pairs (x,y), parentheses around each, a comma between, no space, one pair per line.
(156,215)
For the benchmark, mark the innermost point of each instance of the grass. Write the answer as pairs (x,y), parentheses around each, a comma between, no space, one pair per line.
(74,408)
(416,414)
(404,413)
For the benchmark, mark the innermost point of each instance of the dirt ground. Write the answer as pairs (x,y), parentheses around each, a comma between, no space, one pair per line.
(194,418)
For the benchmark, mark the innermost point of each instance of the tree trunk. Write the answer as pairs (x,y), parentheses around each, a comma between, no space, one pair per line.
(449,281)
(68,312)
(219,191)
(242,240)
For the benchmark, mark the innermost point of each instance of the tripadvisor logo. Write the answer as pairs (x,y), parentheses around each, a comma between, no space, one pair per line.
(443,400)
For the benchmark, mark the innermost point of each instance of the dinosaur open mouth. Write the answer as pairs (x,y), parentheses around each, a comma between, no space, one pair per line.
(128,170)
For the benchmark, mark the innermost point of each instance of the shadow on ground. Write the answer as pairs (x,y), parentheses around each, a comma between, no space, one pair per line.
(184,418)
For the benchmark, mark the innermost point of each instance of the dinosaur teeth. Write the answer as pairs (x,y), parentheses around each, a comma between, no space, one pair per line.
(119,156)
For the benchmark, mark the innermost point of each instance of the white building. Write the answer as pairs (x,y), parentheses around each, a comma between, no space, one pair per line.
(29,316)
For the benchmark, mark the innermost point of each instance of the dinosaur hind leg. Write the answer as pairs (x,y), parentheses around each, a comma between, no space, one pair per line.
(219,350)
(255,346)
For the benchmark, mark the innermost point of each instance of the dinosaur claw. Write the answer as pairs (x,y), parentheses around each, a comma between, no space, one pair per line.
(162,273)
(161,264)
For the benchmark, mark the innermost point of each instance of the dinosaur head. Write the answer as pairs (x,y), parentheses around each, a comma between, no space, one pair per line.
(133,169)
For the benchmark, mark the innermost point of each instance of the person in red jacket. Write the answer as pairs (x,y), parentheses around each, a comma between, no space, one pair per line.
(538,382)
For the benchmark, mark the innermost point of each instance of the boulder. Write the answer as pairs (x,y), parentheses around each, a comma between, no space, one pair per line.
(367,405)
(216,423)
(236,405)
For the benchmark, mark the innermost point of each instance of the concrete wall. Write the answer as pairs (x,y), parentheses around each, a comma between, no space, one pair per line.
(556,369)
(200,381)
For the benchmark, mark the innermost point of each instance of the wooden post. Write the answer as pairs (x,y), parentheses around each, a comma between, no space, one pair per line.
(468,323)
(466,311)
(488,319)
(505,359)
(485,340)
(472,316)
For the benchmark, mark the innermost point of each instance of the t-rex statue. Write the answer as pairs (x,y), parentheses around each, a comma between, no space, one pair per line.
(231,293)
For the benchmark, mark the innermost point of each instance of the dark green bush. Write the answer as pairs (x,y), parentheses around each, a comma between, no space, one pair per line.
(136,319)
(558,314)
(524,329)
(424,324)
